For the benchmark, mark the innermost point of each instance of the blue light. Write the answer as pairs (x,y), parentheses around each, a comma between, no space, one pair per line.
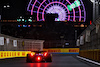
(24,25)
(38,7)
(63,1)
(40,3)
(49,1)
(45,3)
(18,25)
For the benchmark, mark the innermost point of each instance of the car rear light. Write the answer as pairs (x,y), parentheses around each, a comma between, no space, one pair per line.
(38,58)
(45,54)
(32,54)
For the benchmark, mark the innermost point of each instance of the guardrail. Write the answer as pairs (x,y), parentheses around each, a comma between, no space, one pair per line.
(91,54)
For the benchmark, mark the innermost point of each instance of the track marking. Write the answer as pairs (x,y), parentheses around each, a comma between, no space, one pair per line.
(88,60)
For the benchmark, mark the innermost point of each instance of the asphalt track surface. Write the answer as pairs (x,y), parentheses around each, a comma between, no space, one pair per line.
(58,61)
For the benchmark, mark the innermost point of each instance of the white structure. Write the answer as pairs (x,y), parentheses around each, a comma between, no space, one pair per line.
(33,45)
(95,9)
(11,43)
(78,42)
(82,40)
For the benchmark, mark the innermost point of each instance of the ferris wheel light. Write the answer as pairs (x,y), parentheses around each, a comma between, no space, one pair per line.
(74,5)
(69,7)
(58,19)
(77,3)
(65,11)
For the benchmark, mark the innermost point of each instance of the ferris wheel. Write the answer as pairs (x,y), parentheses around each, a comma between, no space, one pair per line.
(70,10)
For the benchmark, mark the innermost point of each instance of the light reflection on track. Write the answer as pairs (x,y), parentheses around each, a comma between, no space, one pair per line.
(57,61)
(39,64)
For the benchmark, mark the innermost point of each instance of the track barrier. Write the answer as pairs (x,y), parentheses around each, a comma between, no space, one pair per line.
(63,50)
(13,54)
(91,54)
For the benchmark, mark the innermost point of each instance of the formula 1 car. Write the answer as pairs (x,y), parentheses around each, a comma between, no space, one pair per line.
(39,56)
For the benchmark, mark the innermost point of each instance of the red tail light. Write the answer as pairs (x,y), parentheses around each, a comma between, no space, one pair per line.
(45,54)
(38,58)
(32,54)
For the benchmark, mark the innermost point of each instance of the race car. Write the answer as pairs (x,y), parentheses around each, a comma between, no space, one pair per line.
(39,56)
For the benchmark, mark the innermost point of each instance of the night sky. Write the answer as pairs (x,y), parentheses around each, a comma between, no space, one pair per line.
(18,7)
(47,32)
(53,32)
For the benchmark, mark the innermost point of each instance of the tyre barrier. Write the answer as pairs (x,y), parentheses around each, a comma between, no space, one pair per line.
(90,54)
(12,54)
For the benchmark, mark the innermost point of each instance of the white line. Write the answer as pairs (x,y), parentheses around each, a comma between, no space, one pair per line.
(88,60)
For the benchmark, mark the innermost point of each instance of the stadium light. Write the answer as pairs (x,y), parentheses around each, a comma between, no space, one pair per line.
(20,16)
(95,1)
(30,20)
(92,1)
(4,6)
(8,6)
(95,8)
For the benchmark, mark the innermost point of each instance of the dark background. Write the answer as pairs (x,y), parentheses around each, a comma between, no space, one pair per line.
(50,32)
(19,7)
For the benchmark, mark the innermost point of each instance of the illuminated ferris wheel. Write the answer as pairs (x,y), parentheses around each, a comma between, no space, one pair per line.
(70,10)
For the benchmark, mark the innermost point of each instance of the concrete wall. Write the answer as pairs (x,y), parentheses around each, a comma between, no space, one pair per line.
(94,37)
(22,44)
